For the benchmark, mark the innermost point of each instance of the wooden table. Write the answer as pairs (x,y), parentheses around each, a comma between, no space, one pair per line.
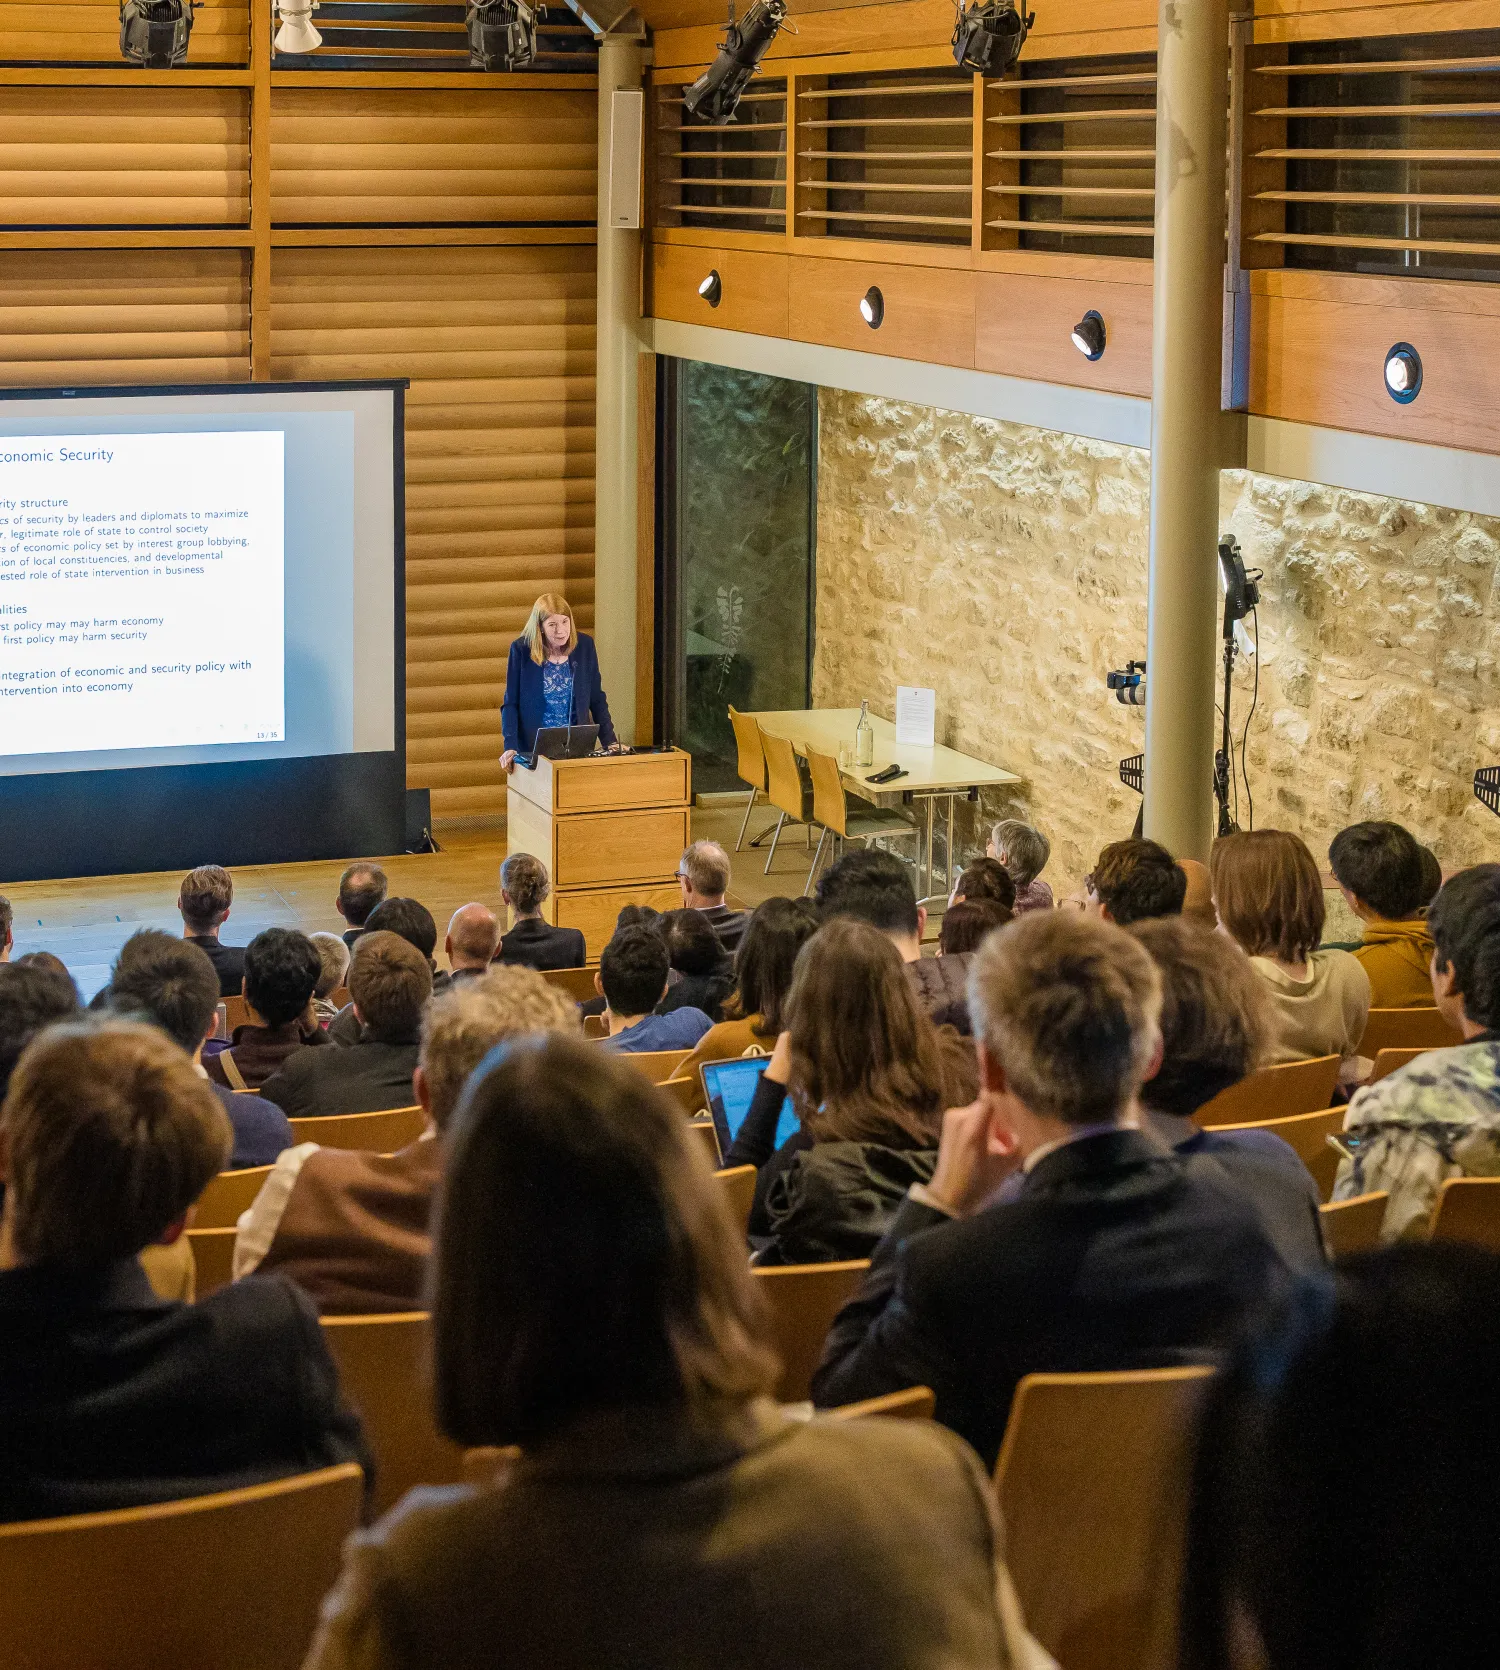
(933,774)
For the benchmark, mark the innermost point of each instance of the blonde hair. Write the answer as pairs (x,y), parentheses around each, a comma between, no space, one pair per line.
(549,603)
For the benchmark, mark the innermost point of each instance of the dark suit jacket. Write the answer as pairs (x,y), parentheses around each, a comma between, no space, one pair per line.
(260,1128)
(228,961)
(729,925)
(537,944)
(1115,1255)
(111,1397)
(363,1078)
(524,706)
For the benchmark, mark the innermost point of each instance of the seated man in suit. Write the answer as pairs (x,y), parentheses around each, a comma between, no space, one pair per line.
(524,885)
(472,940)
(389,985)
(1114,1252)
(351,1229)
(204,900)
(632,980)
(282,968)
(171,985)
(703,874)
(362,887)
(109,1396)
(411,920)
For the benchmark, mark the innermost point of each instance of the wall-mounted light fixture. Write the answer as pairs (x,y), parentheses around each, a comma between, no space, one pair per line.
(154,33)
(712,288)
(296,33)
(872,307)
(1088,335)
(1403,373)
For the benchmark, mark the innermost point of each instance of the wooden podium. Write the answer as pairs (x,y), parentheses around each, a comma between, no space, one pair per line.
(611,830)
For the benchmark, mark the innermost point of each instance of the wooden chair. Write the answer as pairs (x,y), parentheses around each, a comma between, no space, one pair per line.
(339,997)
(802,1301)
(371,1133)
(213,1259)
(227,1195)
(916,1403)
(578,983)
(236,1013)
(1308,1133)
(784,788)
(383,1368)
(1407,1029)
(596,1027)
(739,1190)
(831,810)
(1273,1093)
(1387,1061)
(1093,1486)
(687,1093)
(231,1581)
(1468,1209)
(1351,1226)
(704,1130)
(485,1460)
(657,1065)
(750,766)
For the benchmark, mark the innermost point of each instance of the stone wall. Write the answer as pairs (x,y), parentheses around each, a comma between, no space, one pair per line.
(1006,567)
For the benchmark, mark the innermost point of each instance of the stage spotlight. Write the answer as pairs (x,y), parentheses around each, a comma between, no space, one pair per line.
(712,288)
(1088,335)
(715,95)
(872,307)
(502,34)
(154,33)
(296,33)
(1403,373)
(988,34)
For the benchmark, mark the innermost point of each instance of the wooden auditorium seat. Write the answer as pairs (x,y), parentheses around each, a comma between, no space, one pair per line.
(657,1065)
(1351,1226)
(1407,1029)
(739,1189)
(703,1130)
(916,1403)
(227,1195)
(1308,1133)
(1468,1209)
(687,1093)
(1387,1061)
(784,788)
(1273,1093)
(373,1133)
(213,1258)
(578,983)
(802,1301)
(236,1013)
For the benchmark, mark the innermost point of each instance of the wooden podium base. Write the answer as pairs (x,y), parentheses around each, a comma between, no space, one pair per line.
(611,830)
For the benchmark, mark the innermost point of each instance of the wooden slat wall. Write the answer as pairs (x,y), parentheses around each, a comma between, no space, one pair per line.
(61,33)
(499,343)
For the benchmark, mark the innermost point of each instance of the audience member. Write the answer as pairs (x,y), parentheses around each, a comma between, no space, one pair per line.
(986,878)
(204,901)
(1115,1254)
(45,959)
(472,940)
(408,919)
(1215,1030)
(7,929)
(361,888)
(632,980)
(172,985)
(1439,1115)
(1269,899)
(943,984)
(966,925)
(755,1011)
(30,999)
(390,982)
(109,1396)
(592,1305)
(703,874)
(282,968)
(1378,867)
(351,1229)
(1408,1356)
(1432,876)
(1198,898)
(640,916)
(869,1076)
(875,887)
(1023,851)
(1134,880)
(333,959)
(524,885)
(702,975)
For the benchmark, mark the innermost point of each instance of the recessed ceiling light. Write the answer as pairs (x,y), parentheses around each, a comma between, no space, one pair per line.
(872,307)
(712,288)
(1088,335)
(1403,373)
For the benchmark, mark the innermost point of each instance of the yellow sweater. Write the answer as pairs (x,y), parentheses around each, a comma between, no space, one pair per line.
(1395,955)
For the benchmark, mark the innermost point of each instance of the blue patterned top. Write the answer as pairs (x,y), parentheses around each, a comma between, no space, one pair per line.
(557,693)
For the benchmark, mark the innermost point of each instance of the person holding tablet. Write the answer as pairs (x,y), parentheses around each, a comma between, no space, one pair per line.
(552,678)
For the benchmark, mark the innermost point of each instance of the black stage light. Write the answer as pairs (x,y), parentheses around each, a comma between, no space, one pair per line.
(502,34)
(1403,373)
(154,33)
(1088,335)
(988,34)
(712,288)
(872,307)
(715,95)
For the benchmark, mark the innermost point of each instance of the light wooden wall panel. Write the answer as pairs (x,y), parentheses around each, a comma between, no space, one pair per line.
(89,32)
(499,343)
(123,316)
(388,158)
(124,156)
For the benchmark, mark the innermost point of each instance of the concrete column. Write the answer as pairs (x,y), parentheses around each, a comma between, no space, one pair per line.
(615,446)
(1187,321)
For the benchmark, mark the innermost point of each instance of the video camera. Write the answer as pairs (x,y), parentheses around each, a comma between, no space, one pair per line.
(1129,686)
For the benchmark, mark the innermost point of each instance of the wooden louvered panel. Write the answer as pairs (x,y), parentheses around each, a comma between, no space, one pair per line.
(499,344)
(62,33)
(369,157)
(730,176)
(147,316)
(124,156)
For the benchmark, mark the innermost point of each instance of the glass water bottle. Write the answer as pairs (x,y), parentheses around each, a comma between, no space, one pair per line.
(864,737)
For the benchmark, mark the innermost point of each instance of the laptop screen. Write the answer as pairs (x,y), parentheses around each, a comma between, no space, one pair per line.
(730,1088)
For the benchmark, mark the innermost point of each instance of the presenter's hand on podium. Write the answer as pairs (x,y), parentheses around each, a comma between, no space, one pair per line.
(508,760)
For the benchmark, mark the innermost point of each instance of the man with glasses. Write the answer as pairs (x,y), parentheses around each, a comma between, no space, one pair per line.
(703,875)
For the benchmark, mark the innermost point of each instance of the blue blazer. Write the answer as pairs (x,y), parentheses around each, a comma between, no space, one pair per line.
(521,711)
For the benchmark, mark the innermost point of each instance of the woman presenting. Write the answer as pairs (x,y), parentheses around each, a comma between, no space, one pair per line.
(552,679)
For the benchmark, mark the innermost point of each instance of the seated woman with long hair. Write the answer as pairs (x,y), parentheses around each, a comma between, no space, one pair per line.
(592,1305)
(870,1076)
